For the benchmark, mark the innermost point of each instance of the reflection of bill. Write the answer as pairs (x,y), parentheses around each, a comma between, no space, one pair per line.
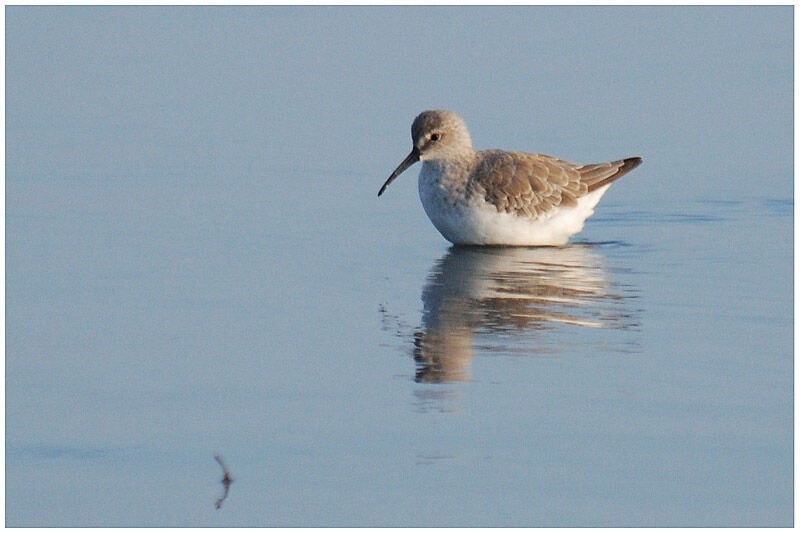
(507,290)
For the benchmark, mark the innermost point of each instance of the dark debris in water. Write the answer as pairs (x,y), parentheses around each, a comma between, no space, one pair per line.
(226,481)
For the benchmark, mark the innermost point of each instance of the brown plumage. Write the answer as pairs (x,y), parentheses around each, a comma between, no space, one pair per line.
(532,184)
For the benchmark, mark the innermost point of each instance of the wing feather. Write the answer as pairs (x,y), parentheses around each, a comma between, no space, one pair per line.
(526,184)
(599,174)
(531,185)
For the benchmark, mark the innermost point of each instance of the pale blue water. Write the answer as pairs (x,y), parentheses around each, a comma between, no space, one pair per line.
(197,264)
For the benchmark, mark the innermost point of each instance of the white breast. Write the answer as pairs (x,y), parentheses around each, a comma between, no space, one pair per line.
(471,220)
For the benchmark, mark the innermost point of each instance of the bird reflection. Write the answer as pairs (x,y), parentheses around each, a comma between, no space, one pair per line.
(508,291)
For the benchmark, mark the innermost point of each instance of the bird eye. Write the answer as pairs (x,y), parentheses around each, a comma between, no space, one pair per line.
(435,137)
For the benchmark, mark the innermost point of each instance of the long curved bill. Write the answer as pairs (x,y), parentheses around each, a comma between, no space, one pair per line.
(412,158)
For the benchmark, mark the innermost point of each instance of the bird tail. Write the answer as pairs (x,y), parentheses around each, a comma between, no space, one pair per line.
(600,174)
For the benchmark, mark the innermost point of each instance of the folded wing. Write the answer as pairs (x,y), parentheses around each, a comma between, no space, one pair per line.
(531,185)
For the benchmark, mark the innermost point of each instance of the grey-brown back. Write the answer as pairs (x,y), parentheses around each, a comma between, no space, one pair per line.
(532,184)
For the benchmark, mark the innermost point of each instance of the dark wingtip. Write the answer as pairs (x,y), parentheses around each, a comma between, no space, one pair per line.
(630,163)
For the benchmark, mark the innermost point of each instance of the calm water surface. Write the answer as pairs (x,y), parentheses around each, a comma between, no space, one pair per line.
(197,265)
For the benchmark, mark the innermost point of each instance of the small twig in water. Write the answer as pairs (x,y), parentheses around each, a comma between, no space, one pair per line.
(226,481)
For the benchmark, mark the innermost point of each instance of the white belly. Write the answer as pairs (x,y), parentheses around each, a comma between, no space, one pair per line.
(474,221)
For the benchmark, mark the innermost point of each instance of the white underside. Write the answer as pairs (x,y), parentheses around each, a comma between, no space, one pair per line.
(478,222)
